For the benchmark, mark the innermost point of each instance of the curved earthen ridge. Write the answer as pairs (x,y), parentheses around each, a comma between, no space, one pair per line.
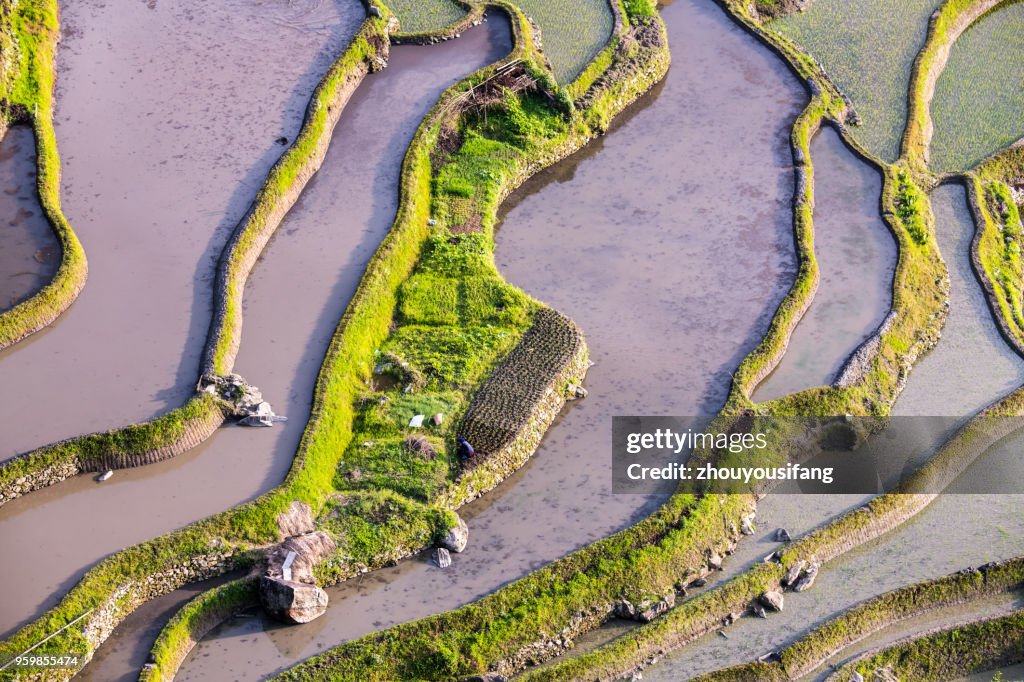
(946,25)
(46,305)
(966,648)
(181,429)
(238,537)
(912,332)
(815,648)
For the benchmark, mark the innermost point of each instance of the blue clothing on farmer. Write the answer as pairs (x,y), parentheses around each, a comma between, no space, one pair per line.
(464,449)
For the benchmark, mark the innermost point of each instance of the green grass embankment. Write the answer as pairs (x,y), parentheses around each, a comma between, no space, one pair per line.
(28,45)
(119,583)
(185,427)
(994,193)
(814,649)
(955,652)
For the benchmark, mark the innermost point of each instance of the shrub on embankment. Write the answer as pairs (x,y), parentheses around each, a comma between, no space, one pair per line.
(28,38)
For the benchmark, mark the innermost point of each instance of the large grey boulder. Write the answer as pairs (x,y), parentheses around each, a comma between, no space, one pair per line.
(292,602)
(773,600)
(457,537)
(297,519)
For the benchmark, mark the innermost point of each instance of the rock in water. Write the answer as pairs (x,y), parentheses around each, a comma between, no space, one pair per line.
(747,525)
(793,572)
(773,600)
(292,602)
(782,535)
(442,558)
(807,579)
(457,537)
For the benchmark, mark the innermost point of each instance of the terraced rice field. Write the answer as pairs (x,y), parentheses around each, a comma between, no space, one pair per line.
(978,106)
(867,47)
(425,15)
(573,31)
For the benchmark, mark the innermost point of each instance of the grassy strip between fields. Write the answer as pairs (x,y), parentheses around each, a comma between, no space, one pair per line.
(946,25)
(976,647)
(381,525)
(814,649)
(920,284)
(132,445)
(516,624)
(30,35)
(716,608)
(114,587)
(994,192)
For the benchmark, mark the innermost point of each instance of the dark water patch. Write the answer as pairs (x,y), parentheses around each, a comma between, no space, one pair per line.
(671,245)
(29,251)
(856,259)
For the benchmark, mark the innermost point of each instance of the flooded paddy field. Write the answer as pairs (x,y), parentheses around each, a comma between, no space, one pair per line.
(971,367)
(293,302)
(600,238)
(29,252)
(669,243)
(159,165)
(856,257)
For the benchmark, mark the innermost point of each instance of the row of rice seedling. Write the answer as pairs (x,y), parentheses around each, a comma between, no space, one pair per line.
(425,15)
(978,106)
(573,32)
(867,47)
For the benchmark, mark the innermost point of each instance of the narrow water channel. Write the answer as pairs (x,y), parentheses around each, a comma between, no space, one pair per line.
(166,119)
(672,270)
(293,303)
(856,257)
(29,252)
(971,367)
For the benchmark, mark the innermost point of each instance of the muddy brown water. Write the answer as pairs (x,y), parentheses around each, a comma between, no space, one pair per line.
(29,251)
(166,119)
(293,303)
(856,257)
(159,165)
(971,367)
(672,267)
